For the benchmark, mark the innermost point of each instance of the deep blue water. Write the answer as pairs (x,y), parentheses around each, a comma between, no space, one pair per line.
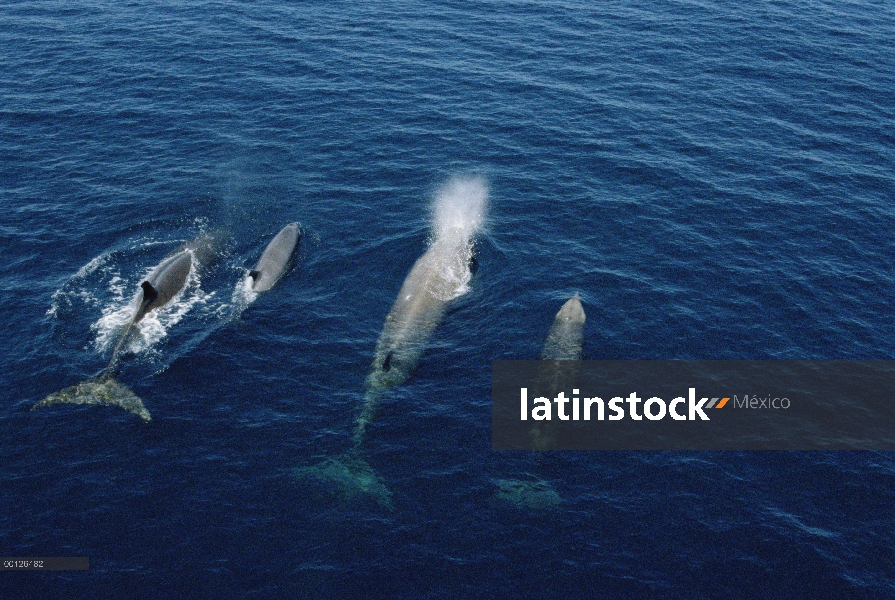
(716,179)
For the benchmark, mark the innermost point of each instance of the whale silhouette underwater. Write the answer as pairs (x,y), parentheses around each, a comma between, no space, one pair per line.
(561,353)
(164,283)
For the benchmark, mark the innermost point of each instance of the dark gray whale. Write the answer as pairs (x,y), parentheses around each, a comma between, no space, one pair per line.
(161,285)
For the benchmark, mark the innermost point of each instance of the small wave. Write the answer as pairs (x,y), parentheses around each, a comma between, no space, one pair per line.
(117,286)
(62,298)
(92,266)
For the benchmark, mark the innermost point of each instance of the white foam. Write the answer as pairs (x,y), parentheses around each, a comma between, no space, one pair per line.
(92,266)
(155,325)
(243,295)
(459,213)
(117,286)
(67,291)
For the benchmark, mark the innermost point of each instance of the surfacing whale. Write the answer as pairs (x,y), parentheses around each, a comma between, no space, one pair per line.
(438,277)
(560,362)
(165,282)
(275,258)
(564,340)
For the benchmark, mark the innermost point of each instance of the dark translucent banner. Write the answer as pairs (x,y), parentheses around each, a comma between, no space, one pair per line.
(693,405)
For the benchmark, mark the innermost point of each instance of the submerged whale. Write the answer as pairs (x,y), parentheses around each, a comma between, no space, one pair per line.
(275,258)
(162,284)
(561,353)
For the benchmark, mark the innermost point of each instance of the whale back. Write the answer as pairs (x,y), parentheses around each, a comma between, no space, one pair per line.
(564,340)
(275,258)
(166,280)
(437,277)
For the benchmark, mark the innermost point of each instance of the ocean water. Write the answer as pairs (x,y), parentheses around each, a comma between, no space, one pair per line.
(715,178)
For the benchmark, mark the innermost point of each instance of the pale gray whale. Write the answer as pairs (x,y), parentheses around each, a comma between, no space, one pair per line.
(439,276)
(564,340)
(275,258)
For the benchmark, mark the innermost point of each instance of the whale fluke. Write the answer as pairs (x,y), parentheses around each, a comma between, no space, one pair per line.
(104,389)
(350,476)
(537,494)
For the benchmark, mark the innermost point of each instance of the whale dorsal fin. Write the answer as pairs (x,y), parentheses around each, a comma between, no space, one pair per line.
(254,275)
(387,363)
(149,293)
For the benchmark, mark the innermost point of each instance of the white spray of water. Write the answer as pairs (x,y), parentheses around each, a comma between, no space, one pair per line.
(458,215)
(460,206)
(243,295)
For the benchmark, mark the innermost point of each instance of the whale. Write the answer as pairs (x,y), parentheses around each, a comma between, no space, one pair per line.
(163,283)
(560,356)
(565,336)
(275,259)
(436,279)
(560,364)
